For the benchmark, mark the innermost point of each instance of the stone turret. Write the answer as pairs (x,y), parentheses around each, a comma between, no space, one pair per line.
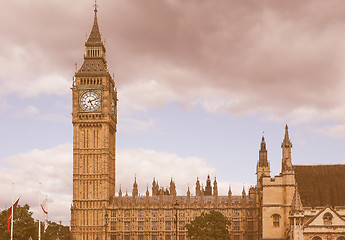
(172,188)
(197,187)
(155,187)
(135,188)
(208,188)
(215,187)
(120,192)
(263,166)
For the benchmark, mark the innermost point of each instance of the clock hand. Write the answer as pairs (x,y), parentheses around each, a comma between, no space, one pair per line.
(90,101)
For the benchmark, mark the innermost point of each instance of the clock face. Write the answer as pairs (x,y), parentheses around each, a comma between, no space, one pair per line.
(113,106)
(90,101)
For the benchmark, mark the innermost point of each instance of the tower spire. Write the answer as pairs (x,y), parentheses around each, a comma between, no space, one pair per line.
(286,146)
(95,35)
(263,153)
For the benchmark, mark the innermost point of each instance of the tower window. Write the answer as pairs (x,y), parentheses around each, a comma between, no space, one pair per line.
(327,219)
(276,218)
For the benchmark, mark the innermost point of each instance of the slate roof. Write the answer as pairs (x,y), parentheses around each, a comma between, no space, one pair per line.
(95,67)
(321,185)
(95,35)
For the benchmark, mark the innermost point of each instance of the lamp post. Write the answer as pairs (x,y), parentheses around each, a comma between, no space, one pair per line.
(106,225)
(176,205)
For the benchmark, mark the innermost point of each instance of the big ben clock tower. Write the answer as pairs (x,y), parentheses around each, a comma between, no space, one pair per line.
(94,128)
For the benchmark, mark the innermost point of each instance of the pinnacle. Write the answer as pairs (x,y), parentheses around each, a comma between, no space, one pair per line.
(296,201)
(286,141)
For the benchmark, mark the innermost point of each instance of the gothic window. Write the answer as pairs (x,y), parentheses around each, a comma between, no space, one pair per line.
(141,226)
(154,226)
(154,214)
(181,225)
(195,214)
(127,214)
(276,218)
(167,226)
(250,213)
(181,214)
(113,226)
(250,225)
(237,214)
(141,213)
(236,226)
(127,225)
(167,213)
(327,219)
(316,238)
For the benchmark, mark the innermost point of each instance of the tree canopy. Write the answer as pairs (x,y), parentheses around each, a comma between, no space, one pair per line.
(25,226)
(210,226)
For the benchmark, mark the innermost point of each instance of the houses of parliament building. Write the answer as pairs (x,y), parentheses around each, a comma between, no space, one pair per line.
(302,202)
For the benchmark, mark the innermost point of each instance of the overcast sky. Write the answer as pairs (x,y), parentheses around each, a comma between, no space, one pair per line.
(198,83)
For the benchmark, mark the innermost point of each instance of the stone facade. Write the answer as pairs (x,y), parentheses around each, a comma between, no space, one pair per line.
(302,202)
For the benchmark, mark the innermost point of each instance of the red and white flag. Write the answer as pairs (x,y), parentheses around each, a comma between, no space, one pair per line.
(9,215)
(44,206)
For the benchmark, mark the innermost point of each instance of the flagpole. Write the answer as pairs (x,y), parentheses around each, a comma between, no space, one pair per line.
(12,213)
(39,213)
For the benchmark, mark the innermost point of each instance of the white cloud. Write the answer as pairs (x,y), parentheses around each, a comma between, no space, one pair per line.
(138,95)
(334,131)
(31,110)
(148,164)
(131,125)
(53,169)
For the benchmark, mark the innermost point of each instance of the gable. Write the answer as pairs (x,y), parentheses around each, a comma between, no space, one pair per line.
(326,217)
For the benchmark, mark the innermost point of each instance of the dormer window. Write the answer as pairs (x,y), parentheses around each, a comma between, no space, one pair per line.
(327,219)
(276,218)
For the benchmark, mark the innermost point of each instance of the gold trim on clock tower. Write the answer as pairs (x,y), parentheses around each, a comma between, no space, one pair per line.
(94,118)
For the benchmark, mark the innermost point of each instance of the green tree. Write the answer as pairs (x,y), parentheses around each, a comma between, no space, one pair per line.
(23,224)
(209,226)
(55,230)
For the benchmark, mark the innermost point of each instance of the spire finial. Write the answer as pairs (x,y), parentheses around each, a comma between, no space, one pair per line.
(96,6)
(286,137)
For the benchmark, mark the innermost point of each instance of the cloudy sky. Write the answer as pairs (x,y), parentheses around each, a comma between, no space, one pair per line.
(198,83)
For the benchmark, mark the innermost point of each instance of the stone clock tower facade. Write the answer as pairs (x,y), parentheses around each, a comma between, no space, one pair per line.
(94,117)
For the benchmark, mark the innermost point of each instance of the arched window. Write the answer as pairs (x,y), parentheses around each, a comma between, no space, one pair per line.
(327,219)
(316,238)
(276,218)
(341,238)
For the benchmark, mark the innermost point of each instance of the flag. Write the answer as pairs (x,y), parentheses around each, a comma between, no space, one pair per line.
(9,215)
(44,207)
